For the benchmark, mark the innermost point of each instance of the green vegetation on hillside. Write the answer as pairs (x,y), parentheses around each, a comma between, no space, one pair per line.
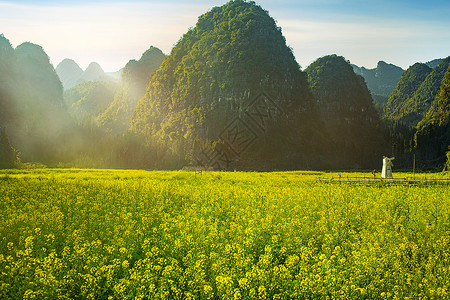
(432,139)
(415,93)
(415,105)
(32,109)
(439,108)
(8,155)
(400,106)
(442,115)
(212,77)
(88,100)
(346,108)
(135,77)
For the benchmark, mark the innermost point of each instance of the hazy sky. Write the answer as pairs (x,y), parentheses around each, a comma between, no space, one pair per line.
(401,32)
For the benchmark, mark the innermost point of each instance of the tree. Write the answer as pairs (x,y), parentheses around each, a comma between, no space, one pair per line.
(448,159)
(8,155)
(442,115)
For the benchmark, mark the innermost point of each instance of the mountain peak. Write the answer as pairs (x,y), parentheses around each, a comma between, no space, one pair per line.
(234,53)
(151,53)
(4,44)
(382,80)
(68,72)
(93,72)
(94,67)
(434,63)
(32,51)
(67,62)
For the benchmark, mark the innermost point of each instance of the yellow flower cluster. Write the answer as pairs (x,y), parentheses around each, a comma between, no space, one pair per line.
(105,234)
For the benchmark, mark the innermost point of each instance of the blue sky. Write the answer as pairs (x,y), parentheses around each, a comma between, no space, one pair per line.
(113,32)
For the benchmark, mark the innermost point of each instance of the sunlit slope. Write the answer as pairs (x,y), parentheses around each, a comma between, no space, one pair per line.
(233,70)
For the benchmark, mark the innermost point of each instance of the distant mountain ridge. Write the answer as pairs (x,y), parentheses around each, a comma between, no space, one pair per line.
(109,105)
(381,81)
(231,74)
(70,73)
(434,63)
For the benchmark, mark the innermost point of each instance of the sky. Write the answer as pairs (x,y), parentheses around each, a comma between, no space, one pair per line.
(111,32)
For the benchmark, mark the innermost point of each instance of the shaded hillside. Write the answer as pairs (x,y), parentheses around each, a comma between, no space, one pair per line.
(442,114)
(88,100)
(8,78)
(346,108)
(33,113)
(8,155)
(135,77)
(232,73)
(400,127)
(69,72)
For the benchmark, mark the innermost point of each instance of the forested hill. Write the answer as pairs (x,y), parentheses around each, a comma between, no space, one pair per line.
(71,74)
(413,112)
(401,98)
(135,77)
(415,93)
(442,114)
(432,138)
(86,101)
(32,110)
(428,92)
(347,111)
(230,95)
(210,83)
(381,81)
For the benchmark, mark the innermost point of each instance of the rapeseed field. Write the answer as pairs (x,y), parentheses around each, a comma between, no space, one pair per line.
(116,234)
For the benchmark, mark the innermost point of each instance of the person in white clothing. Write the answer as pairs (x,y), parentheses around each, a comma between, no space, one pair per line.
(386,172)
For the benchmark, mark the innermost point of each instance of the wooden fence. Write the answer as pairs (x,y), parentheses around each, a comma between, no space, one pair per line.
(367,181)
